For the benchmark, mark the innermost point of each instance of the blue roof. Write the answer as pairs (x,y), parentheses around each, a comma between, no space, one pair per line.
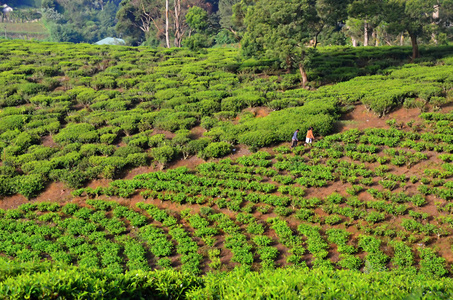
(111,41)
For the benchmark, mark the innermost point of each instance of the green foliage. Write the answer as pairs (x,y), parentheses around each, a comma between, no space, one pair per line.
(163,154)
(285,42)
(29,185)
(431,264)
(77,133)
(258,139)
(215,150)
(74,281)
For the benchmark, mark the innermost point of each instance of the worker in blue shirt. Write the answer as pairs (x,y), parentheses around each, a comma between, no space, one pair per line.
(295,139)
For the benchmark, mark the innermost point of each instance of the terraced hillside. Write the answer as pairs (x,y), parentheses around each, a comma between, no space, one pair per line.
(143,161)
(372,200)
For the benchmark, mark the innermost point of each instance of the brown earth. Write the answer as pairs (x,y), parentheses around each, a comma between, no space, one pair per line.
(360,118)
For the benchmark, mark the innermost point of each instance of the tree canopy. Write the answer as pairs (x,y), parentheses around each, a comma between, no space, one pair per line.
(282,29)
(414,17)
(304,24)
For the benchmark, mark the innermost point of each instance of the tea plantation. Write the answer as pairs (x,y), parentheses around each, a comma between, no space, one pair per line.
(359,214)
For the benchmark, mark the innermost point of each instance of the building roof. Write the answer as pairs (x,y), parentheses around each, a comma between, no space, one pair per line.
(6,8)
(111,41)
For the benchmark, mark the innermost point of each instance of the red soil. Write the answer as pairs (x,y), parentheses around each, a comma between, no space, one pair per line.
(359,118)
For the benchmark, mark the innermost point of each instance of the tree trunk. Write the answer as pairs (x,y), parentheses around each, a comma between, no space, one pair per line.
(167,38)
(178,35)
(402,40)
(288,65)
(303,74)
(436,15)
(316,40)
(316,36)
(415,53)
(354,41)
(365,34)
(376,38)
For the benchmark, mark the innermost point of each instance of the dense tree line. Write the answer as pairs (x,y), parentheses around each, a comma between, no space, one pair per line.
(355,22)
(285,30)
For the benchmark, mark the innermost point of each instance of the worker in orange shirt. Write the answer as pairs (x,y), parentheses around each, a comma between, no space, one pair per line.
(310,136)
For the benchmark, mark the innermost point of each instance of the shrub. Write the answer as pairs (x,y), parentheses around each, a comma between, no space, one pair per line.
(137,159)
(197,41)
(127,150)
(7,185)
(25,140)
(208,122)
(234,104)
(29,89)
(163,154)
(156,140)
(258,139)
(29,185)
(75,132)
(217,149)
(12,122)
(73,179)
(431,264)
(108,138)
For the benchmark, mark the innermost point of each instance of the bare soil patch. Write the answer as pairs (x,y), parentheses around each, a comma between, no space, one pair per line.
(361,118)
(47,141)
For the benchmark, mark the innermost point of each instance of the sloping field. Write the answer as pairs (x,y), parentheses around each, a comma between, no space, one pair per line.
(130,160)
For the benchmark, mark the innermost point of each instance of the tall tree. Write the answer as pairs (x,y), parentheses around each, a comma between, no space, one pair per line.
(179,32)
(413,16)
(353,28)
(369,12)
(157,20)
(280,29)
(226,13)
(442,20)
(328,14)
(240,10)
(139,18)
(79,20)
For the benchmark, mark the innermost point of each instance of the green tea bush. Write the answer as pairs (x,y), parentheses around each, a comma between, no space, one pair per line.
(29,89)
(76,133)
(234,104)
(73,281)
(163,154)
(73,179)
(12,122)
(215,150)
(29,185)
(431,264)
(127,150)
(258,139)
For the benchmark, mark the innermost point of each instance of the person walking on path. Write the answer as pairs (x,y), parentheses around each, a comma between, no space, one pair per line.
(295,139)
(310,136)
